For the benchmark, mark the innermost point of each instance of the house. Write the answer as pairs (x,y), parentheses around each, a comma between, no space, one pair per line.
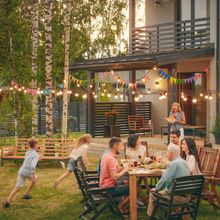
(181,38)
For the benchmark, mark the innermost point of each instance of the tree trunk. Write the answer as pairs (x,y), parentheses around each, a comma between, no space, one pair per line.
(66,69)
(48,67)
(35,18)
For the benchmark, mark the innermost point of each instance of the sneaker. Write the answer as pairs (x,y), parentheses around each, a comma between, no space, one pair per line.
(62,164)
(26,197)
(6,204)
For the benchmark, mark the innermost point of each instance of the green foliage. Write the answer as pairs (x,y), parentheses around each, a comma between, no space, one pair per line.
(216,127)
(14,107)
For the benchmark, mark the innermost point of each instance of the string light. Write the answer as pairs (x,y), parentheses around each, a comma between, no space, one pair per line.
(155,67)
(133,92)
(11,88)
(148,91)
(201,94)
(19,89)
(185,99)
(76,94)
(85,96)
(0,90)
(206,96)
(136,99)
(109,95)
(90,85)
(121,96)
(95,96)
(210,97)
(53,91)
(157,83)
(69,92)
(194,100)
(116,97)
(78,85)
(102,94)
(118,89)
(141,96)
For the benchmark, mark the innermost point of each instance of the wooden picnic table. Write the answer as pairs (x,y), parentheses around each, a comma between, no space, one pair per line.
(137,172)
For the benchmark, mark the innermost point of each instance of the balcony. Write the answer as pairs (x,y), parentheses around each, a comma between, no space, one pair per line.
(182,35)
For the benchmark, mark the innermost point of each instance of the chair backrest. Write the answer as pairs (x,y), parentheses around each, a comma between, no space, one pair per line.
(199,146)
(209,159)
(186,185)
(79,163)
(80,177)
(142,142)
(135,122)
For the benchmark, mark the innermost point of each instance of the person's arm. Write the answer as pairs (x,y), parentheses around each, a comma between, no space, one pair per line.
(34,162)
(116,175)
(166,178)
(191,161)
(85,158)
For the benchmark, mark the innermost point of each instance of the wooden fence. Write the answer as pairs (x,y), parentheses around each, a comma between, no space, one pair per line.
(124,109)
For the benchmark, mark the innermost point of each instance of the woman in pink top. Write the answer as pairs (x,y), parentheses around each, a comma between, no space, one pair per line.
(190,154)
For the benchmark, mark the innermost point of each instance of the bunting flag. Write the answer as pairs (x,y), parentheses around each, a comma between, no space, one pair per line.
(75,80)
(181,81)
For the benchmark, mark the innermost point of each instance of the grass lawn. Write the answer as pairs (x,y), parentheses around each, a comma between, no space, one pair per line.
(60,204)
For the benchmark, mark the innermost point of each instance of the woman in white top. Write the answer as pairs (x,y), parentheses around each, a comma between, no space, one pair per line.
(79,150)
(135,148)
(190,154)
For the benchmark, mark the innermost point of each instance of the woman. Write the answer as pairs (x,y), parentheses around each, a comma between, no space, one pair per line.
(135,148)
(190,153)
(177,119)
(79,150)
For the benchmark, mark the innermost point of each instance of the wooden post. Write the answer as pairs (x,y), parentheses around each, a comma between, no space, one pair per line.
(132,6)
(172,97)
(90,119)
(132,79)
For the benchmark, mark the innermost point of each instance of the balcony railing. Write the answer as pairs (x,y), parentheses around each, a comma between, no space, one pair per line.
(171,36)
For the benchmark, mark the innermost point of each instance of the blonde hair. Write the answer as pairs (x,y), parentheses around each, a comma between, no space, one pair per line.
(176,104)
(85,139)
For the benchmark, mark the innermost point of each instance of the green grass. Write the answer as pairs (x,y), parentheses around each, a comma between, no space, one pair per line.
(60,204)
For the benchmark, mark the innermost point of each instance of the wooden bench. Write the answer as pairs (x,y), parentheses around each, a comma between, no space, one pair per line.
(137,124)
(49,149)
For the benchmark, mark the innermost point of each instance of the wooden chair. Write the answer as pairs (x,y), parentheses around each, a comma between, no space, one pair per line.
(95,200)
(210,163)
(90,175)
(189,187)
(208,159)
(136,123)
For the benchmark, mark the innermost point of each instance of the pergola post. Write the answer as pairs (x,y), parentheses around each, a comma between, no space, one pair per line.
(90,108)
(132,79)
(172,97)
(132,6)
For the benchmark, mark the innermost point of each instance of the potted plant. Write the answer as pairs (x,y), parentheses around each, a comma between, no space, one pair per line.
(216,130)
(111,117)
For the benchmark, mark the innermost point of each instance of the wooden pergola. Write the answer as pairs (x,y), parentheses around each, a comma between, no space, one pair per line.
(132,63)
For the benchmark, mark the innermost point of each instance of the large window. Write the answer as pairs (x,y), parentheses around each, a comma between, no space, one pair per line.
(192,9)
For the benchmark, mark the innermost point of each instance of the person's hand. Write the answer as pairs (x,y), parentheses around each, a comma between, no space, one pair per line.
(153,190)
(126,169)
(89,164)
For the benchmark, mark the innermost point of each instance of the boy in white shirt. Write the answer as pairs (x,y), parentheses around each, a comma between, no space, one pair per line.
(27,170)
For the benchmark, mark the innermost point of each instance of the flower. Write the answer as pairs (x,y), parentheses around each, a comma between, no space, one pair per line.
(112,114)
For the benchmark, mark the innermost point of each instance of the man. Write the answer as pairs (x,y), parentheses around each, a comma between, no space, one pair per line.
(177,168)
(111,172)
(175,137)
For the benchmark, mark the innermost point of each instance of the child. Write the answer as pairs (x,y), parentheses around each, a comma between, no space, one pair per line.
(79,150)
(27,170)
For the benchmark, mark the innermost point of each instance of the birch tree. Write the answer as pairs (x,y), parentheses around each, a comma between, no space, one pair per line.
(48,67)
(67,8)
(35,19)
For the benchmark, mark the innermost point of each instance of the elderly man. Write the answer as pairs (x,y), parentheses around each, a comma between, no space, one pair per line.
(177,168)
(111,172)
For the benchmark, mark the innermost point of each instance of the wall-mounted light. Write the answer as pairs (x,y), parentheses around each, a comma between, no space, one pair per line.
(157,83)
(156,3)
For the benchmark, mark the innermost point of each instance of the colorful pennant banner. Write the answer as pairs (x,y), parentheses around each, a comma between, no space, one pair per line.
(181,81)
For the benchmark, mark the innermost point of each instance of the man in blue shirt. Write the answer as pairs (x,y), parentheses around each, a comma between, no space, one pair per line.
(177,168)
